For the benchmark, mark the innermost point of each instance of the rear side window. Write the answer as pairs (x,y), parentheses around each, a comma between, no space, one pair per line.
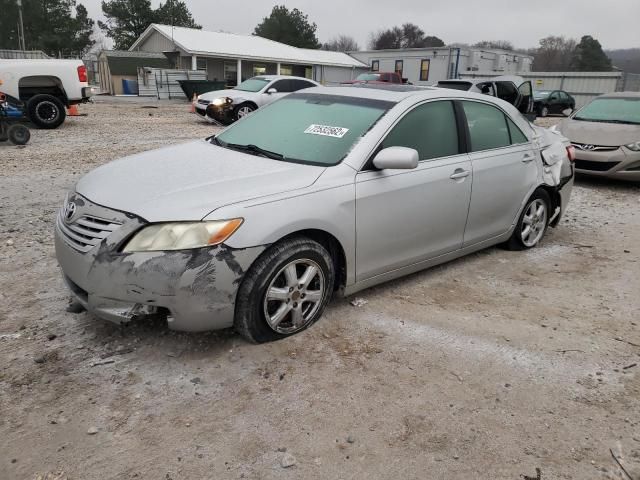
(429,128)
(516,134)
(300,85)
(487,126)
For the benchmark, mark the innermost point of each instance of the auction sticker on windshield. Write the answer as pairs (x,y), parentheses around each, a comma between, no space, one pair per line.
(327,131)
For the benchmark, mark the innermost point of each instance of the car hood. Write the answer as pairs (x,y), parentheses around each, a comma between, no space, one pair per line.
(599,133)
(231,93)
(188,181)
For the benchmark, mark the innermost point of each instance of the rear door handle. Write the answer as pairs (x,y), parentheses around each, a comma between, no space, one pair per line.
(459,173)
(528,157)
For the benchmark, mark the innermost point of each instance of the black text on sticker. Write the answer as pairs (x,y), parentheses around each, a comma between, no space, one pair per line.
(327,131)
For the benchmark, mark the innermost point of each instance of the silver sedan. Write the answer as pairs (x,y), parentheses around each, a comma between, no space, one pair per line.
(330,189)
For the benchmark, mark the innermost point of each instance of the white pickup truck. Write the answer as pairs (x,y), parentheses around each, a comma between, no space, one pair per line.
(47,87)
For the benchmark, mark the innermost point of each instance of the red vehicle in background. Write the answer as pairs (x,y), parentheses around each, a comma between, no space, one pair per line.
(377,78)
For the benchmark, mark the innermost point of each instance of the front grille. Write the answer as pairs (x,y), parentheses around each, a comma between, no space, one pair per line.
(204,102)
(596,148)
(595,166)
(86,231)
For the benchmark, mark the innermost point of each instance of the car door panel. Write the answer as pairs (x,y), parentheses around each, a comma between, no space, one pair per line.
(504,170)
(404,217)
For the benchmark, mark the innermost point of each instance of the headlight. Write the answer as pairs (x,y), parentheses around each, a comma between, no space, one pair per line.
(635,146)
(221,101)
(182,236)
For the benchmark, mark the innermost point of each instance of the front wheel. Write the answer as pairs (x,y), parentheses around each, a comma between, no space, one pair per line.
(532,223)
(242,110)
(544,111)
(285,291)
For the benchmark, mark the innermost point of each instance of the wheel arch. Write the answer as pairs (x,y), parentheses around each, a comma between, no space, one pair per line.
(33,85)
(333,246)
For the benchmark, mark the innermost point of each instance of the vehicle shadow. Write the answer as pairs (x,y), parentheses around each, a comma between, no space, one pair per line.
(622,186)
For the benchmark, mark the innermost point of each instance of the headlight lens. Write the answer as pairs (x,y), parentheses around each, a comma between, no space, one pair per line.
(220,101)
(182,236)
(635,146)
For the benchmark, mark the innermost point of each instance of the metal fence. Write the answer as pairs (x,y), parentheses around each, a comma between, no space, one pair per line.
(22,54)
(583,86)
(162,83)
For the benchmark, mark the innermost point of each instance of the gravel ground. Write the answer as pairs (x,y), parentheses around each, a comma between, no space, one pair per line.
(487,367)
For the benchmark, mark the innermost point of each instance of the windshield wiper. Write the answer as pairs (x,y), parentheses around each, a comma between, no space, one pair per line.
(253,149)
(596,120)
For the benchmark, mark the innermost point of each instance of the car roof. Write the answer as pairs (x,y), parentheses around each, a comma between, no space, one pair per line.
(621,95)
(398,93)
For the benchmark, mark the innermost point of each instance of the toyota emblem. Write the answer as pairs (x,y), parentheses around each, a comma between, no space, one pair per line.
(69,211)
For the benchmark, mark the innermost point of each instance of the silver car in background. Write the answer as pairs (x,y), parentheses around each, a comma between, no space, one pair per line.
(606,136)
(227,106)
(330,189)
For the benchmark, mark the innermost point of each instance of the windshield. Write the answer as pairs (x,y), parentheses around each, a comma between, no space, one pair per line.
(611,110)
(541,94)
(254,84)
(368,77)
(305,128)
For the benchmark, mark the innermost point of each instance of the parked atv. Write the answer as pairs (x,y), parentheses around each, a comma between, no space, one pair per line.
(11,114)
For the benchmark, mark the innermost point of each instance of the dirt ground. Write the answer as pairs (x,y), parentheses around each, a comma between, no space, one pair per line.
(485,368)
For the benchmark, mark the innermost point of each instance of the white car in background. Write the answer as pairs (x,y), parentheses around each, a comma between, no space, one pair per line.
(227,106)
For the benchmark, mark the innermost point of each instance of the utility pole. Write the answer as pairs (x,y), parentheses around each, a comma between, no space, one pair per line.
(21,27)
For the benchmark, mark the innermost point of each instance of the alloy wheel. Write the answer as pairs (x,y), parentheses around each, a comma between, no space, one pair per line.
(294,296)
(534,222)
(47,111)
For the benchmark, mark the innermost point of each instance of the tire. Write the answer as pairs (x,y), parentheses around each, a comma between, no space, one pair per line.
(19,134)
(259,319)
(46,111)
(544,111)
(243,110)
(521,239)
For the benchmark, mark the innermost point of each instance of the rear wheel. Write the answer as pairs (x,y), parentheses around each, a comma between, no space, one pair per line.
(19,134)
(46,111)
(285,291)
(532,223)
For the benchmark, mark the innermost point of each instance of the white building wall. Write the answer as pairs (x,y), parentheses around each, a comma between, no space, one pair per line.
(157,43)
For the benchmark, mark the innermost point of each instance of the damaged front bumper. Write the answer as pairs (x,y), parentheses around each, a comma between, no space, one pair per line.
(196,289)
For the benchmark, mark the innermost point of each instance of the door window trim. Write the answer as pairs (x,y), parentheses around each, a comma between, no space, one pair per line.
(460,122)
(470,151)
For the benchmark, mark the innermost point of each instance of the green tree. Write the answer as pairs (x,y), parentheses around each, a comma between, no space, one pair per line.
(555,54)
(407,36)
(588,56)
(288,26)
(126,20)
(58,27)
(341,43)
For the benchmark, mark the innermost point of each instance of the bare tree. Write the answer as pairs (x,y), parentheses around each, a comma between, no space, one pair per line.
(554,54)
(407,36)
(499,44)
(341,43)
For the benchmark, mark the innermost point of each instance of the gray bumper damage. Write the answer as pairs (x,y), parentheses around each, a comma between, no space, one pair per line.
(196,288)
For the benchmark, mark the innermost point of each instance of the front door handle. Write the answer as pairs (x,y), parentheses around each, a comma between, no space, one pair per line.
(528,157)
(459,173)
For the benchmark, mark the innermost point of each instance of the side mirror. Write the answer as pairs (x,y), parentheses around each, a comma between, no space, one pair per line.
(396,158)
(272,90)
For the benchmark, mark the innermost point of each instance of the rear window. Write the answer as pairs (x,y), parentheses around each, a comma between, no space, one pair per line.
(455,85)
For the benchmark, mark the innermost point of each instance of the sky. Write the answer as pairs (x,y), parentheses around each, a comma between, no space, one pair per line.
(613,22)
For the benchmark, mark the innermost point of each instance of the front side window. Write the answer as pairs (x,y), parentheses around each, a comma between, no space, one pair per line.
(424,70)
(399,67)
(429,128)
(282,86)
(306,128)
(375,65)
(253,84)
(487,126)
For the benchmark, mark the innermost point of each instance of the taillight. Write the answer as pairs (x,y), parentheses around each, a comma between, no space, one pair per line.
(571,151)
(82,73)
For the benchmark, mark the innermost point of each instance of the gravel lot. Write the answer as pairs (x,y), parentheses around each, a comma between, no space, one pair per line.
(485,368)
